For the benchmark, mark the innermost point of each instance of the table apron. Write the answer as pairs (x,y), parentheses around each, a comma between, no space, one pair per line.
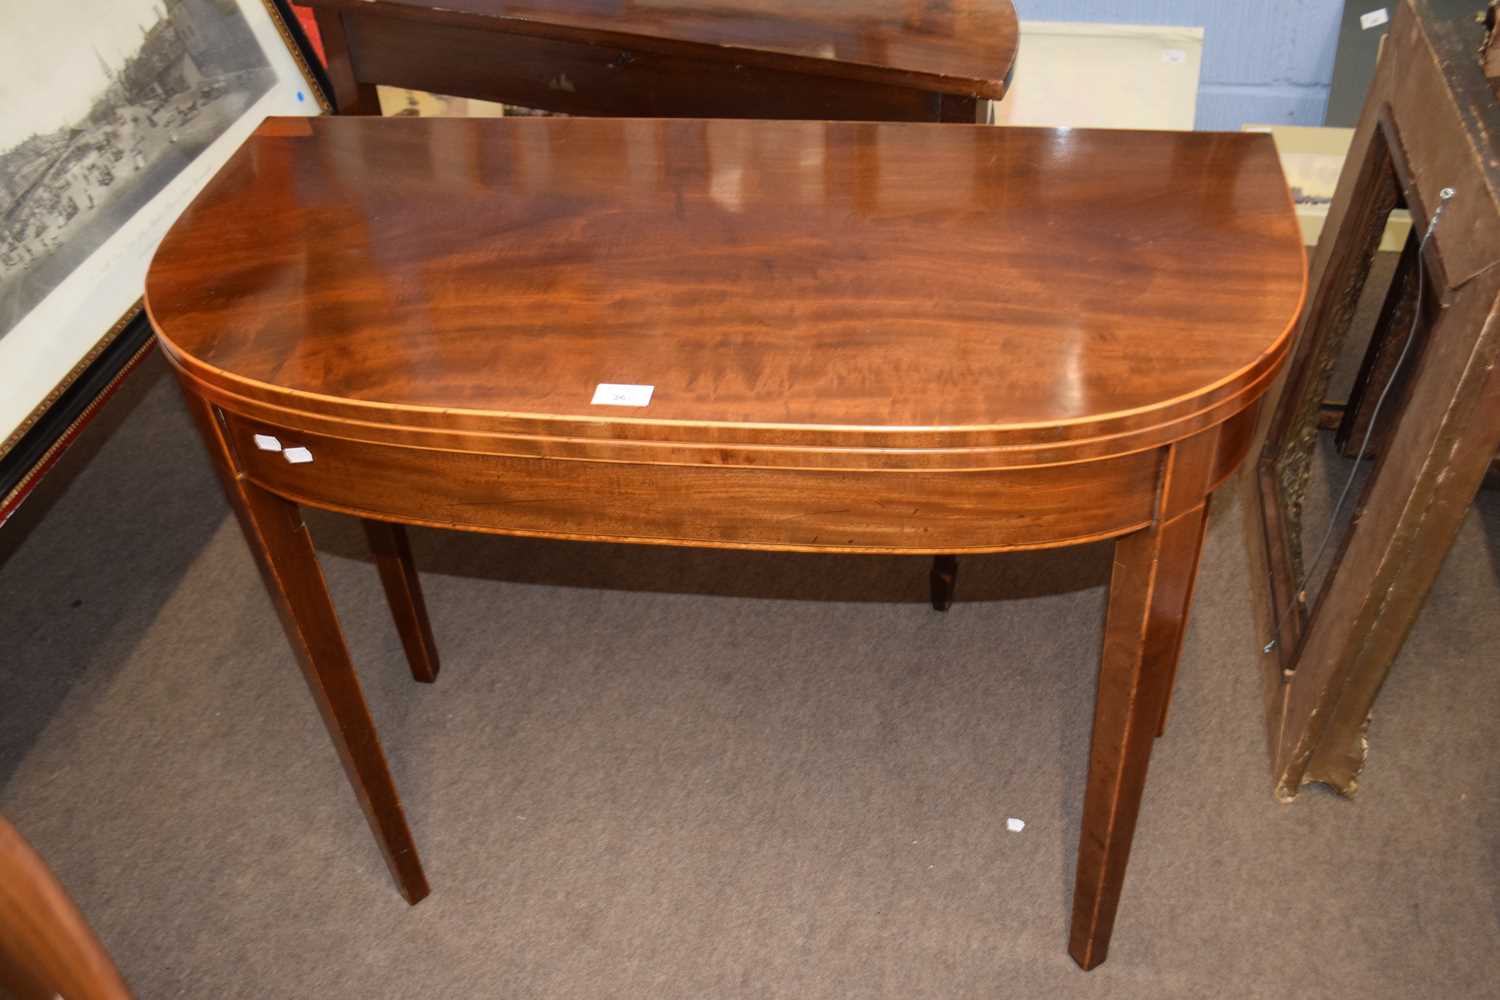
(909,511)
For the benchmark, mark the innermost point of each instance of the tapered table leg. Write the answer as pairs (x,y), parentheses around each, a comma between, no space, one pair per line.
(284,551)
(1149,591)
(1166,704)
(942,580)
(403,591)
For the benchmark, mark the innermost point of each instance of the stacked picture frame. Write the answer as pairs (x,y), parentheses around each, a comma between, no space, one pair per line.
(118,112)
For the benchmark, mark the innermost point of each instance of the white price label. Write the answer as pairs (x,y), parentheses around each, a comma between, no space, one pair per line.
(613,394)
(1374,18)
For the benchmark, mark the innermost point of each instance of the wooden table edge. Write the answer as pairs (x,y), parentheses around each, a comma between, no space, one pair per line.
(991,88)
(966,448)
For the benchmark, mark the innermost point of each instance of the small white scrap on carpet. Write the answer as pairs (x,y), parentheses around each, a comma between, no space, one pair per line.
(1015,825)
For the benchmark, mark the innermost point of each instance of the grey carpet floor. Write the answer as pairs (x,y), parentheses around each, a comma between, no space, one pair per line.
(669,773)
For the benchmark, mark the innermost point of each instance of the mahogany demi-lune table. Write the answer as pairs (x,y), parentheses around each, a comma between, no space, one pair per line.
(808,336)
(881,60)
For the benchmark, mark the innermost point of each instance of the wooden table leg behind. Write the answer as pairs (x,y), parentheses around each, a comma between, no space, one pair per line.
(279,540)
(403,591)
(351,96)
(942,580)
(969,110)
(1149,591)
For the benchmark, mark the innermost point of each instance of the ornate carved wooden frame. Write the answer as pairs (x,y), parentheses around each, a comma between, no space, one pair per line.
(1426,126)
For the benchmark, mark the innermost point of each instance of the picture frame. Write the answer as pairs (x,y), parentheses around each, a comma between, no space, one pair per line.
(130,107)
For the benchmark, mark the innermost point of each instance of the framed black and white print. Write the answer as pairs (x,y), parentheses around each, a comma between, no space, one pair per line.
(113,114)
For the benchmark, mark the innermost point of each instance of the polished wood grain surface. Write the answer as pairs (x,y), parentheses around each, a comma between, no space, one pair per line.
(862,338)
(965,46)
(985,292)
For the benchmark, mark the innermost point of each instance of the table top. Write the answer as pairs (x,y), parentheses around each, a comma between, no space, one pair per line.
(838,285)
(955,46)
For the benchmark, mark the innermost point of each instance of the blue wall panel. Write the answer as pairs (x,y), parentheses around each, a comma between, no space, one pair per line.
(1263,60)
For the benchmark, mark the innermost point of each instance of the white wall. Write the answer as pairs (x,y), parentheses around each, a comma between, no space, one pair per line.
(1263,60)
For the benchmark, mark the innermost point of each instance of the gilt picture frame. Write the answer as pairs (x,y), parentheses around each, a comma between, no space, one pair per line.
(124,110)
